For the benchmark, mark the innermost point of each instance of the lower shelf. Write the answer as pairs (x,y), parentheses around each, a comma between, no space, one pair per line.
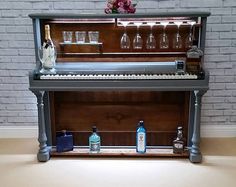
(127,152)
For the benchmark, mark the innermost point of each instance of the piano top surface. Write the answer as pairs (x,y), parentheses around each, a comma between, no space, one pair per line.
(136,15)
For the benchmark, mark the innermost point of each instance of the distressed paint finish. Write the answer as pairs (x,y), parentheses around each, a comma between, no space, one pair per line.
(195,153)
(43,153)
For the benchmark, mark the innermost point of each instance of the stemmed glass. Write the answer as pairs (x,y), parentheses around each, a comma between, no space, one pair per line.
(189,39)
(164,41)
(138,41)
(177,43)
(125,41)
(151,41)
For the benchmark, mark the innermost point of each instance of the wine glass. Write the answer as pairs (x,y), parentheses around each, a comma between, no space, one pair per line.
(125,41)
(189,39)
(151,41)
(164,41)
(138,41)
(47,57)
(177,43)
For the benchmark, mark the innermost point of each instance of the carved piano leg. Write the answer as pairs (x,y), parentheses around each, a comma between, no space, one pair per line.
(43,154)
(195,154)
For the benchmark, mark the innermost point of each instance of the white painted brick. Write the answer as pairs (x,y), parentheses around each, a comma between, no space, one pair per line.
(100,5)
(217,86)
(14,80)
(19,44)
(207,106)
(222,93)
(220,11)
(11,13)
(220,118)
(8,52)
(42,5)
(31,107)
(217,58)
(8,113)
(231,86)
(201,3)
(229,3)
(228,19)
(74,5)
(224,78)
(214,19)
(233,57)
(225,65)
(21,5)
(16,29)
(222,106)
(212,112)
(212,51)
(22,119)
(15,107)
(230,112)
(212,35)
(6,87)
(230,72)
(213,99)
(26,100)
(4,44)
(4,73)
(220,27)
(228,35)
(5,100)
(167,4)
(218,43)
(228,50)
(28,113)
(147,4)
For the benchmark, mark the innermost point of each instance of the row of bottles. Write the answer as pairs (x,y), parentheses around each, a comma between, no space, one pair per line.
(65,140)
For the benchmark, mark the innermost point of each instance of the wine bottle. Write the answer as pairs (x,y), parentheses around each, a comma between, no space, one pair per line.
(94,141)
(141,138)
(49,52)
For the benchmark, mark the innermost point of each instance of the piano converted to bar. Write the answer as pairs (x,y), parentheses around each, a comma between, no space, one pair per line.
(143,67)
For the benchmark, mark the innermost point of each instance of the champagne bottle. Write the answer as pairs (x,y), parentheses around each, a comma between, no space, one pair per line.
(141,138)
(49,52)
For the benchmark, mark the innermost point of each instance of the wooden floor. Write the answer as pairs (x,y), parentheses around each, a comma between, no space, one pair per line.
(19,168)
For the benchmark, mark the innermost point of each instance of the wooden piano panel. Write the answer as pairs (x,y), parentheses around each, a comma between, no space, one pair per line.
(110,36)
(116,115)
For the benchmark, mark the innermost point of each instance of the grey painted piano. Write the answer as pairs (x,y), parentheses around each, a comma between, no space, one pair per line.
(95,71)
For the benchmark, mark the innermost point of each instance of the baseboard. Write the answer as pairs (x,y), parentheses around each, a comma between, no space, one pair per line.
(18,132)
(218,131)
(32,132)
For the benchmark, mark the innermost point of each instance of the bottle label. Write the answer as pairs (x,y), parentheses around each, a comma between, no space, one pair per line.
(48,57)
(95,146)
(178,146)
(141,142)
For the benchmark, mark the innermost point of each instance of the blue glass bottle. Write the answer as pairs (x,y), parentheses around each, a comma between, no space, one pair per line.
(141,138)
(94,141)
(64,141)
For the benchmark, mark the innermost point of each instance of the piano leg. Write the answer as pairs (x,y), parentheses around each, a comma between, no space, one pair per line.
(43,153)
(195,154)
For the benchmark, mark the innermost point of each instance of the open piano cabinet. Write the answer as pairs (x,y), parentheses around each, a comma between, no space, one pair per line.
(116,105)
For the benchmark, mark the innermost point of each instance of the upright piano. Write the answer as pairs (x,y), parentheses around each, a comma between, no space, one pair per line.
(113,87)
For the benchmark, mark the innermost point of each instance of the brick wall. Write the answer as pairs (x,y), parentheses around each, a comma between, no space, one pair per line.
(18,105)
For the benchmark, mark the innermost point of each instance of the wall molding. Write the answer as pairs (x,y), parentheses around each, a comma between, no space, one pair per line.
(32,131)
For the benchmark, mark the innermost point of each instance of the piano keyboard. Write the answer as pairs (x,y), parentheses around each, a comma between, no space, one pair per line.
(118,76)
